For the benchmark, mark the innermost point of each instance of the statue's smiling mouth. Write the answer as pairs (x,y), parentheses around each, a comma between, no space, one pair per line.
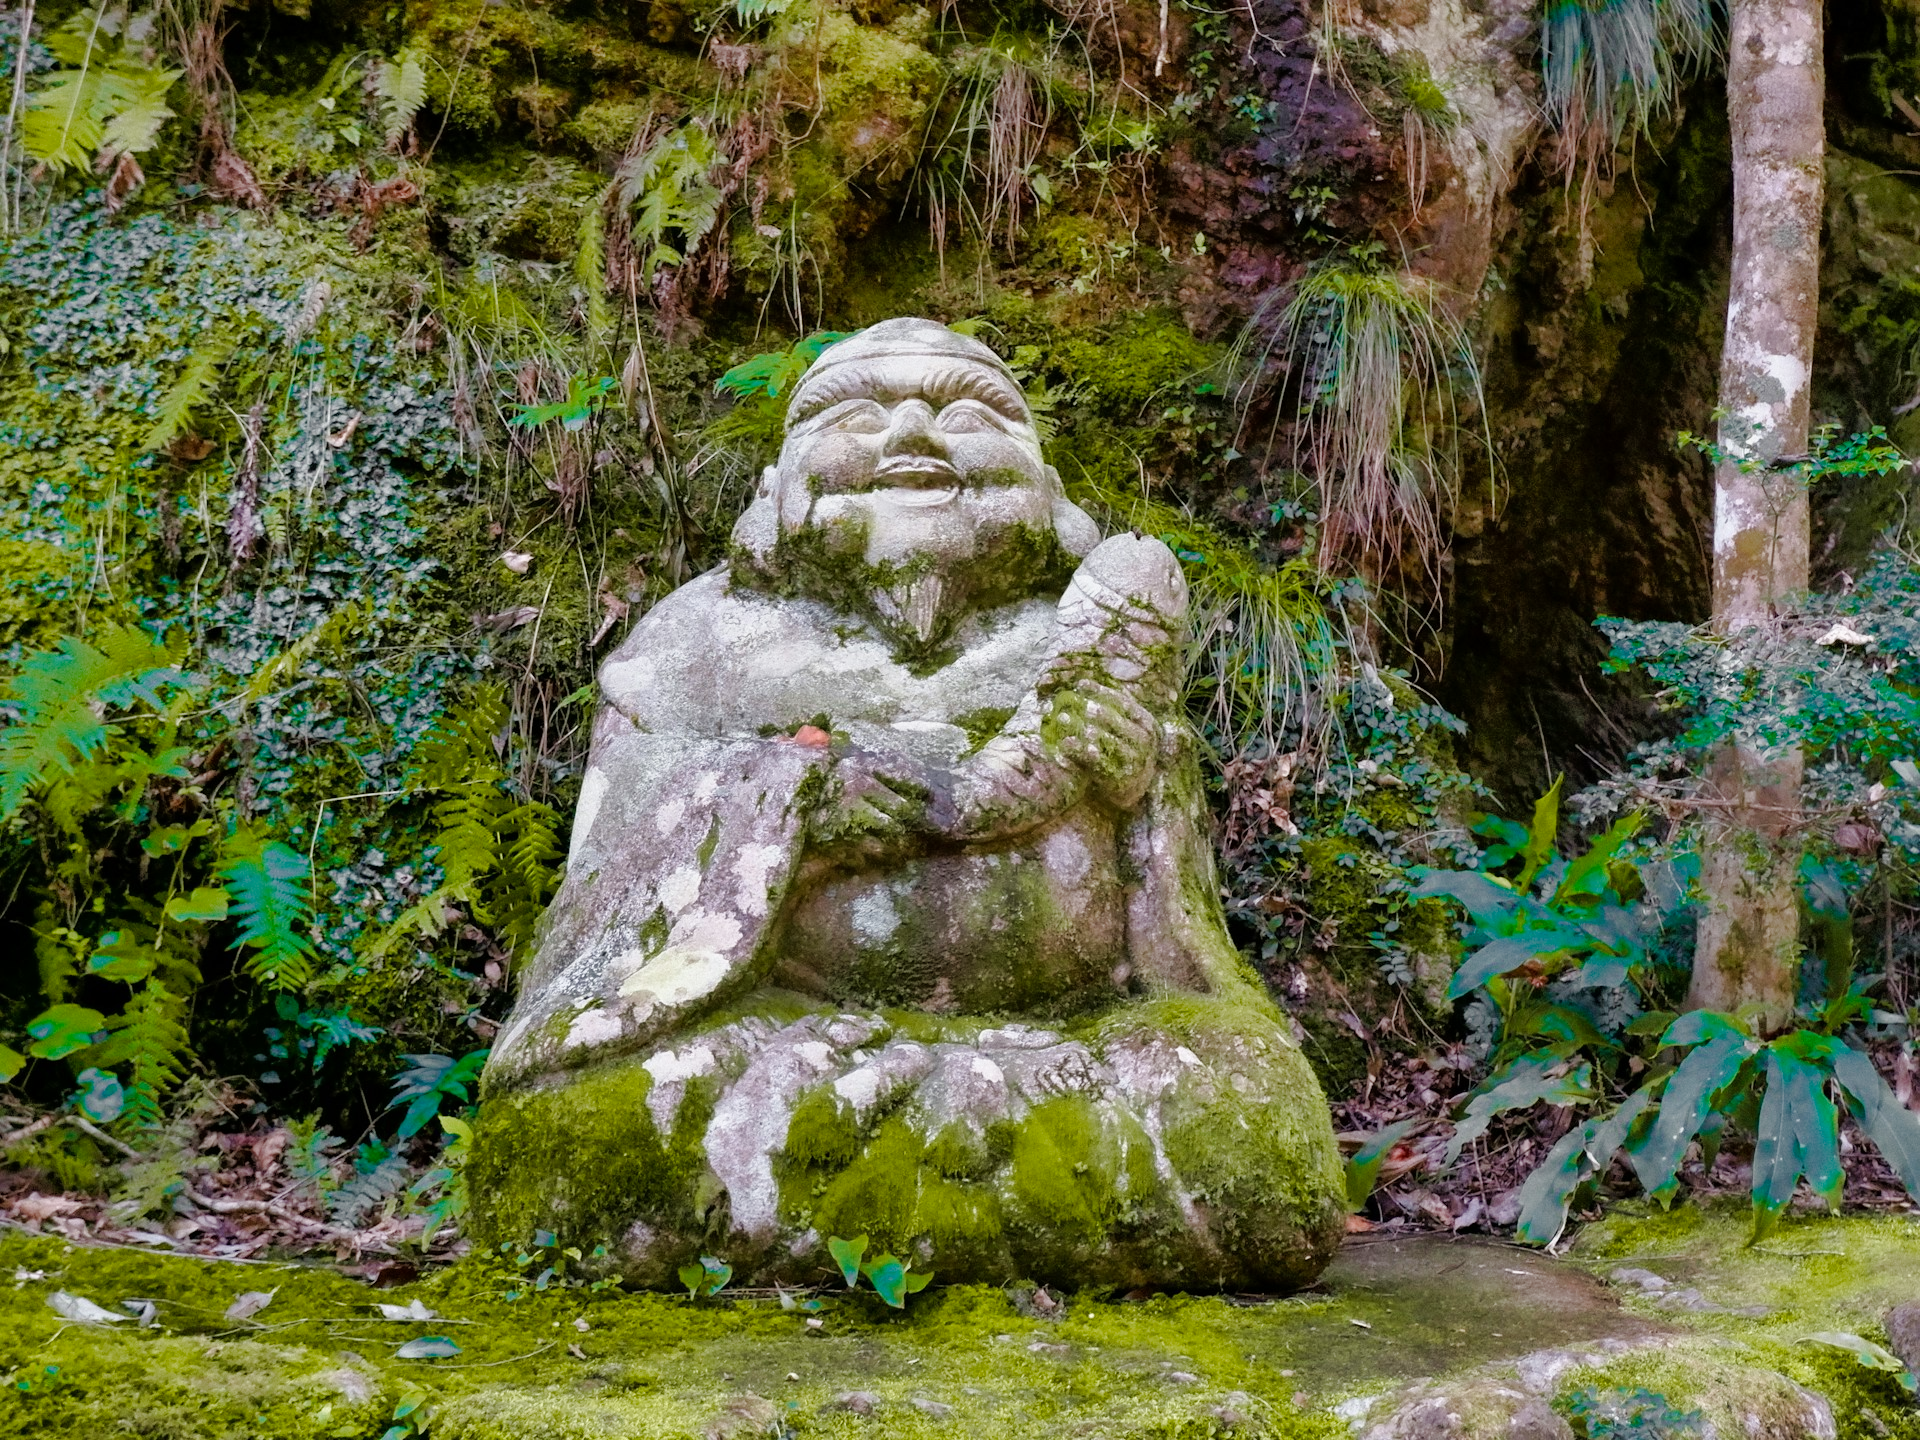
(917,471)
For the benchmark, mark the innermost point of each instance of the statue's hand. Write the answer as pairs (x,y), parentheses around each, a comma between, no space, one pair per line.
(1108,734)
(870,801)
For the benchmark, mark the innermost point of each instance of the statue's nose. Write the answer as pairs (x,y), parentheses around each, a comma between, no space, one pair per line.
(912,432)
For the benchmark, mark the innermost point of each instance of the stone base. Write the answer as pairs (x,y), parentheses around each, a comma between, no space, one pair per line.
(1180,1143)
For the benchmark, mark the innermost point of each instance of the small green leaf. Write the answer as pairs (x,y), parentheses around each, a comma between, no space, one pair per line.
(64,1029)
(409,1402)
(11,1063)
(206,904)
(717,1272)
(889,1279)
(1363,1166)
(427,1347)
(101,1097)
(122,957)
(1540,835)
(692,1276)
(846,1254)
(918,1280)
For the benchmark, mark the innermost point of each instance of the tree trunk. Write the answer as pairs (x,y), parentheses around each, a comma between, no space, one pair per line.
(1749,935)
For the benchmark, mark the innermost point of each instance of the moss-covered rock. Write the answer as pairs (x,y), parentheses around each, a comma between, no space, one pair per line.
(1180,1143)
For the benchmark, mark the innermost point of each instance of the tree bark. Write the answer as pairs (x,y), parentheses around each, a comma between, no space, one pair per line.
(1749,932)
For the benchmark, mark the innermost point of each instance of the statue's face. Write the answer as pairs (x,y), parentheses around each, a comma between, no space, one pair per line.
(919,453)
(905,423)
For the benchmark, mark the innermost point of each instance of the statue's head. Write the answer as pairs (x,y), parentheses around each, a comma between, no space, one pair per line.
(911,451)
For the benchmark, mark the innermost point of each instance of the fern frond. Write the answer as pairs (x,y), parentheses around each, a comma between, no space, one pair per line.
(314,1155)
(267,883)
(528,873)
(176,409)
(58,694)
(59,952)
(670,187)
(369,1190)
(590,268)
(109,101)
(497,856)
(136,127)
(402,87)
(290,661)
(60,128)
(151,1036)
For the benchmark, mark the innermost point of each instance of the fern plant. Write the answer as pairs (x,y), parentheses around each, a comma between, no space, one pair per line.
(103,103)
(401,86)
(498,852)
(124,902)
(189,392)
(670,188)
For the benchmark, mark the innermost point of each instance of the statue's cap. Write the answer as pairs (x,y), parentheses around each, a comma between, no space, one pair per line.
(904,338)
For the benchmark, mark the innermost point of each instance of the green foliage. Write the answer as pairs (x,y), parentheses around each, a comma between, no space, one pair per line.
(776,372)
(104,101)
(890,1276)
(1726,1073)
(57,696)
(1265,639)
(670,189)
(1381,376)
(379,1178)
(760,387)
(707,1276)
(583,402)
(266,888)
(1580,924)
(556,1264)
(1612,66)
(189,392)
(496,852)
(428,1082)
(1589,924)
(402,87)
(1617,1414)
(1363,1166)
(1525,1082)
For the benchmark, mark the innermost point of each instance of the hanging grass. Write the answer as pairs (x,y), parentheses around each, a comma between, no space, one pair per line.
(1380,374)
(1612,66)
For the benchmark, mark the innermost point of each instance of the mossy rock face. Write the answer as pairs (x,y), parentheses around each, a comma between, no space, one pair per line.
(1174,1144)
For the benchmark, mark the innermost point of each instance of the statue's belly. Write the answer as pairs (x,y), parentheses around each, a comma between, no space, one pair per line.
(1039,924)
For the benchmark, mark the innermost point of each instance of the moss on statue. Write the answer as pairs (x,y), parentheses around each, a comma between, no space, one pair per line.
(830,564)
(585,1160)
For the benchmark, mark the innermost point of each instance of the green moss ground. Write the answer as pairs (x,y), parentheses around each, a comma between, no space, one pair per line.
(316,1363)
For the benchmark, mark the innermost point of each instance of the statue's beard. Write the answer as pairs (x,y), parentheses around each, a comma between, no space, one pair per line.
(916,570)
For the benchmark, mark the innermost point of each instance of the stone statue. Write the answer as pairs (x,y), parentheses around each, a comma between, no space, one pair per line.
(889,910)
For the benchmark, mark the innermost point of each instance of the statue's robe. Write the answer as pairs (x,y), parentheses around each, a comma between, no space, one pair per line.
(691,878)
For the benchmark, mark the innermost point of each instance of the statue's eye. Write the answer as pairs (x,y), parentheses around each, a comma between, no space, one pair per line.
(862,417)
(967,417)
